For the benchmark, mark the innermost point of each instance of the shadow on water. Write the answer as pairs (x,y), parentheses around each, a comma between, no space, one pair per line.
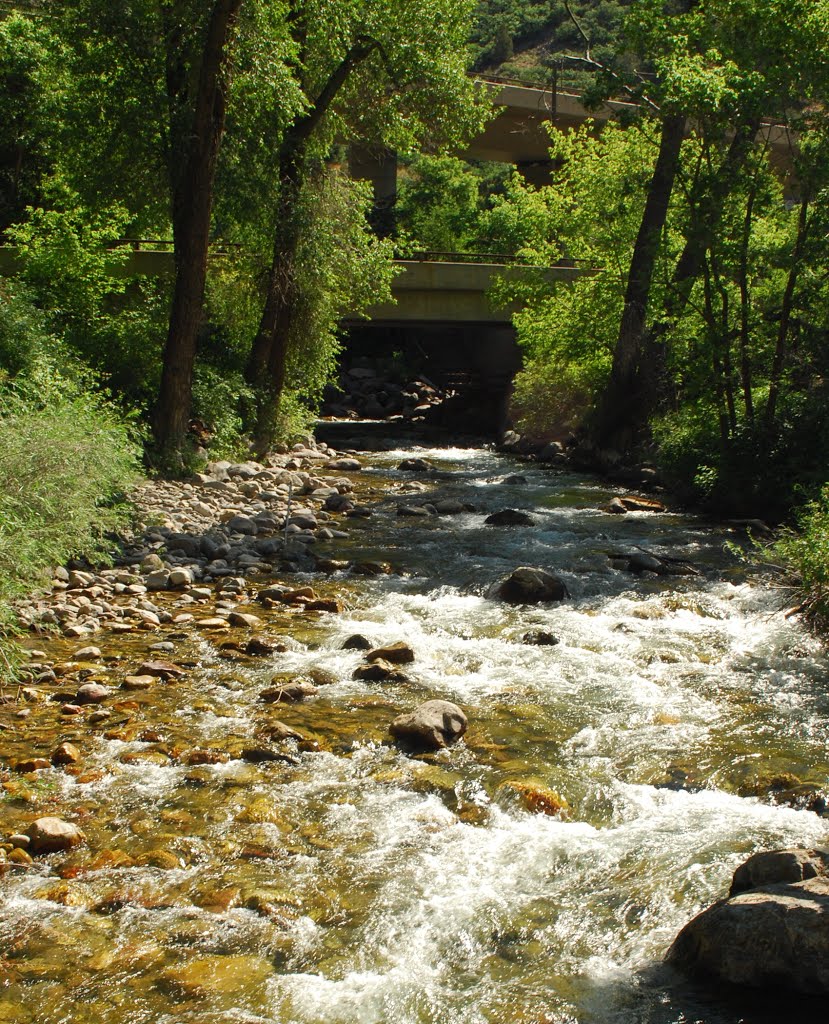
(661,995)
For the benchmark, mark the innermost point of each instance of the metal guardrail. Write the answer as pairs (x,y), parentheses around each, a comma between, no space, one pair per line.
(495,258)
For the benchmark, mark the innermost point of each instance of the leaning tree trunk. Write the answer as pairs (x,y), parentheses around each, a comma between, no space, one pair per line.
(267,365)
(628,397)
(193,169)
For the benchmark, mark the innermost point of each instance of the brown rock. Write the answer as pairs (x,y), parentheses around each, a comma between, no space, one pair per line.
(775,937)
(289,693)
(528,585)
(379,671)
(92,693)
(398,653)
(32,764)
(244,621)
(66,753)
(434,724)
(50,835)
(138,682)
(161,669)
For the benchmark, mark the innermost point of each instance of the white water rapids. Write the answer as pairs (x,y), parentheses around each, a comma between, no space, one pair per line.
(421,890)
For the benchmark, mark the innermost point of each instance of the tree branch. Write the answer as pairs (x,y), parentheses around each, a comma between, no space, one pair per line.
(362,48)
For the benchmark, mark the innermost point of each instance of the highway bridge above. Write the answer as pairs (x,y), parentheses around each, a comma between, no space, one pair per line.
(519,134)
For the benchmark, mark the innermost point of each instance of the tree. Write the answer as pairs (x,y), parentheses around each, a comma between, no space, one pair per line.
(369,71)
(196,125)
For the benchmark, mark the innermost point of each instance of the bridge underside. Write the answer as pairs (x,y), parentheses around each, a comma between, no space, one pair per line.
(476,361)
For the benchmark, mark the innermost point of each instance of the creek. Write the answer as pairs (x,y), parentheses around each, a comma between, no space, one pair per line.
(672,730)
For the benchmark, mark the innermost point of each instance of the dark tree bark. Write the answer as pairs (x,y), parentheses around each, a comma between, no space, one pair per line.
(786,314)
(707,217)
(267,365)
(194,149)
(628,396)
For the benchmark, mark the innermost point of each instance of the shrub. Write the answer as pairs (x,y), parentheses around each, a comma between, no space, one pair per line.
(66,462)
(807,554)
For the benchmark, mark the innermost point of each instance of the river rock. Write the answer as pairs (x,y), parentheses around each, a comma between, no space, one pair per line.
(509,517)
(774,934)
(540,638)
(278,732)
(356,642)
(162,669)
(773,866)
(50,835)
(244,620)
(635,503)
(528,585)
(288,693)
(451,507)
(398,653)
(66,753)
(87,654)
(92,693)
(434,724)
(379,671)
(180,578)
(641,562)
(415,466)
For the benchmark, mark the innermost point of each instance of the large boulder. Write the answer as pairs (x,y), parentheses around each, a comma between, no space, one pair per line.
(772,932)
(526,585)
(432,725)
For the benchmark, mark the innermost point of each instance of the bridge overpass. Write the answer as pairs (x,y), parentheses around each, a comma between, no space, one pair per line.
(518,134)
(428,292)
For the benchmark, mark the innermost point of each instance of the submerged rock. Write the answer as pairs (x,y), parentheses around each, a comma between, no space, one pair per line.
(432,725)
(415,466)
(540,638)
(356,642)
(772,931)
(527,585)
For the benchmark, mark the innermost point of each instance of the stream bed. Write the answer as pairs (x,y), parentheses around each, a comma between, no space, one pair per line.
(679,725)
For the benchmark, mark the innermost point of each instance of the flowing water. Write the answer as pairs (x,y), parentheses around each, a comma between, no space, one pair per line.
(364,886)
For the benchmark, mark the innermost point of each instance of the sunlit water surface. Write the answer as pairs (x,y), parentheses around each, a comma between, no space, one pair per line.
(364,886)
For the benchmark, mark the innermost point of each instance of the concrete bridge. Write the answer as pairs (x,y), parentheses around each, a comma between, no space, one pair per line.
(518,134)
(426,292)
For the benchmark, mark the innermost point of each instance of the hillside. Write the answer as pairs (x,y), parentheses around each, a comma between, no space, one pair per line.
(525,39)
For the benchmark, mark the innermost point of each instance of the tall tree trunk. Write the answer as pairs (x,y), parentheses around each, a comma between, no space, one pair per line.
(193,169)
(267,364)
(786,314)
(266,368)
(745,306)
(626,400)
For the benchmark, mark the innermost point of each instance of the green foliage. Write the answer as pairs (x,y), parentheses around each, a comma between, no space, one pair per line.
(806,552)
(66,462)
(342,269)
(31,88)
(589,214)
(112,322)
(443,204)
(523,38)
